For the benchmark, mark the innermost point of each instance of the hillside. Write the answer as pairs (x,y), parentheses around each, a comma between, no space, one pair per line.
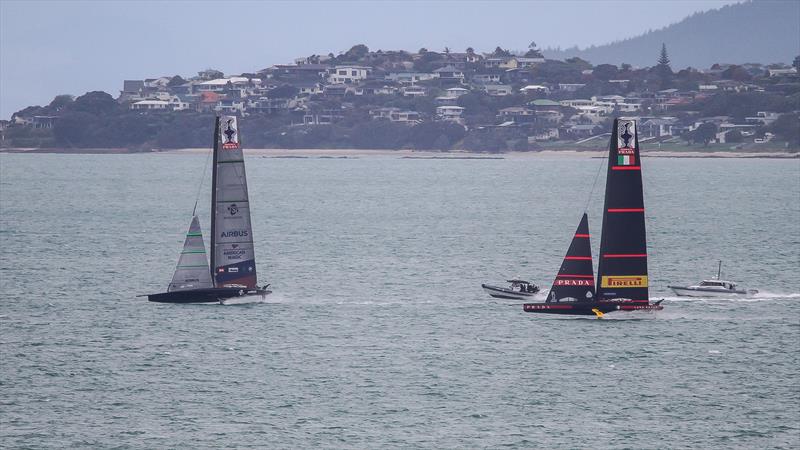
(762,31)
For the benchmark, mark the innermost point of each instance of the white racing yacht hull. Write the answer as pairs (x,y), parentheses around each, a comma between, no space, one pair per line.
(705,293)
(498,292)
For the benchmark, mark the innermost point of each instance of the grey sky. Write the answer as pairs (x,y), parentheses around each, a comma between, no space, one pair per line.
(71,47)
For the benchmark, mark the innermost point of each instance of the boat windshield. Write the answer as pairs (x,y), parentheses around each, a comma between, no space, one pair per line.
(713,283)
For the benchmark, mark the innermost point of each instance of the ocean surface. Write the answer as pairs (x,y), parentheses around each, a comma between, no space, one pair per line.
(378,334)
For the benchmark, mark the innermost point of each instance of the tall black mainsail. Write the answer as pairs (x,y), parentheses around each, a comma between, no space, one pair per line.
(575,278)
(232,273)
(233,260)
(622,282)
(622,269)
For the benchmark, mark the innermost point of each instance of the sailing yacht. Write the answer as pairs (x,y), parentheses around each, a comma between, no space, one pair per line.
(232,276)
(622,282)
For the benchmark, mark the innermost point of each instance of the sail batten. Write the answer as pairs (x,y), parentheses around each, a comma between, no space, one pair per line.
(233,258)
(575,278)
(622,269)
(192,269)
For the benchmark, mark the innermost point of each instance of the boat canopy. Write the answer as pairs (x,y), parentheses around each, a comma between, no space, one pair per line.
(725,284)
(518,282)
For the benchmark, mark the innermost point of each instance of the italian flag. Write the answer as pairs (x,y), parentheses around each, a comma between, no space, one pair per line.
(624,160)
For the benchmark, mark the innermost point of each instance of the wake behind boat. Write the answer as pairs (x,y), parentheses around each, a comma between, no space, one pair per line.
(622,271)
(234,277)
(517,290)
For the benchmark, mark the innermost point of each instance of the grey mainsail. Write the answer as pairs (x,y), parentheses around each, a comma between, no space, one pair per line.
(232,257)
(192,270)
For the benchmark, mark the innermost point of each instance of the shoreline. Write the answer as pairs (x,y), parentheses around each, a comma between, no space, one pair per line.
(408,154)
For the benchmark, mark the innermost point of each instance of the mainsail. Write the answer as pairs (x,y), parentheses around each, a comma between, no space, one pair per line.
(575,279)
(192,270)
(622,270)
(232,257)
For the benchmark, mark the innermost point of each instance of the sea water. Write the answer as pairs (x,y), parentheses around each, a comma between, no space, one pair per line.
(378,333)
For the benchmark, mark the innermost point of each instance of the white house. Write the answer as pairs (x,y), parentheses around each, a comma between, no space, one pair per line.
(413,91)
(410,77)
(220,84)
(535,88)
(451,113)
(348,74)
(150,105)
(456,92)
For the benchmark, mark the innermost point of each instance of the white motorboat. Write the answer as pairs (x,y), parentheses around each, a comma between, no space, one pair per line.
(714,287)
(517,290)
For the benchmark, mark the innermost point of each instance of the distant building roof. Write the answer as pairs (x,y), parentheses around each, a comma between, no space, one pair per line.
(544,102)
(224,81)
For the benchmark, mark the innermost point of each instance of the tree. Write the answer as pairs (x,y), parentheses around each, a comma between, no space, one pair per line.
(705,133)
(356,52)
(177,80)
(471,51)
(787,127)
(95,102)
(499,52)
(796,63)
(605,72)
(662,69)
(60,102)
(533,52)
(733,136)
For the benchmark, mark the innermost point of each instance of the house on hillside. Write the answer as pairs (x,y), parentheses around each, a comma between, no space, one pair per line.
(396,115)
(516,114)
(546,134)
(348,74)
(495,62)
(132,90)
(450,113)
(580,131)
(456,92)
(486,78)
(46,122)
(763,118)
(657,127)
(570,87)
(414,91)
(449,74)
(297,72)
(535,89)
(446,100)
(498,90)
(519,62)
(409,77)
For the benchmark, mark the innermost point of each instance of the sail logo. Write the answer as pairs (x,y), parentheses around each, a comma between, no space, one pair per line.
(626,134)
(573,282)
(624,281)
(233,209)
(230,138)
(234,233)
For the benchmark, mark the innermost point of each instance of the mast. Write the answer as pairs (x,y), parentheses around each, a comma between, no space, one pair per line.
(719,269)
(575,278)
(214,197)
(622,268)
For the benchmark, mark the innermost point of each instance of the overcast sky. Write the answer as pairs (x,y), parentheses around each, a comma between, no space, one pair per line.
(71,47)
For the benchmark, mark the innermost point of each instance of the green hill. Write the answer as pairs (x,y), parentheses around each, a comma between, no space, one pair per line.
(762,31)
